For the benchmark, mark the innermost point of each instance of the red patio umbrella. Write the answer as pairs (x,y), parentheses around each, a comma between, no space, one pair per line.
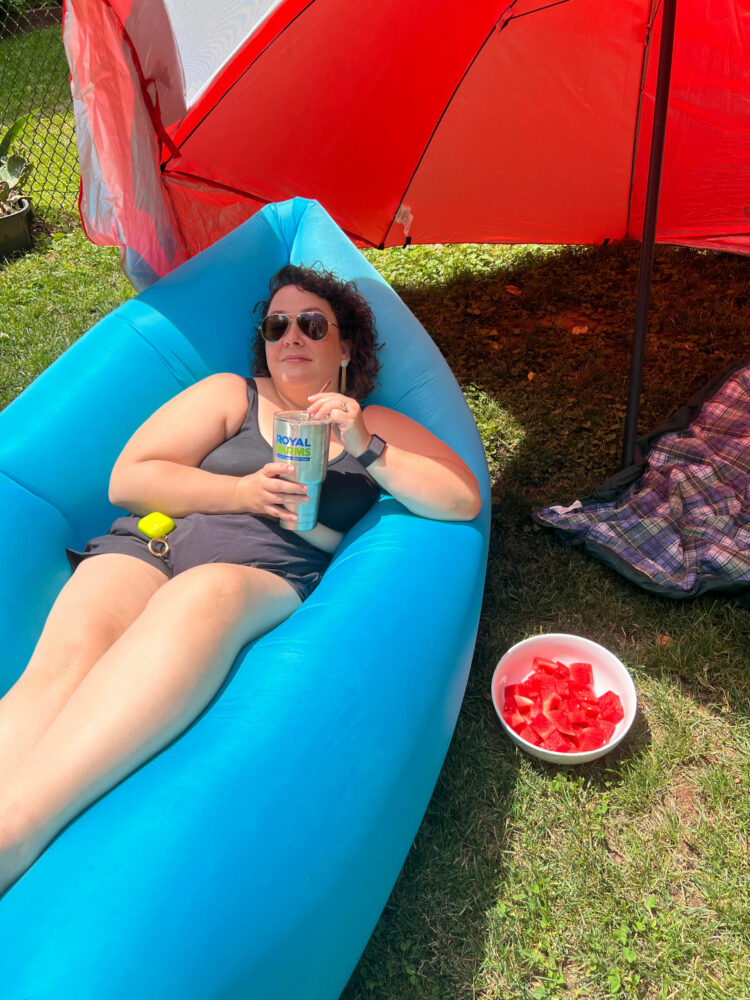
(440,122)
(492,121)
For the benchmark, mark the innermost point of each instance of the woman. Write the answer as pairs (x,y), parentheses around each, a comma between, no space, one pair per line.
(139,641)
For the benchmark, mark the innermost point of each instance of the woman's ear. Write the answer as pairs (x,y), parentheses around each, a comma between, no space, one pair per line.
(346,350)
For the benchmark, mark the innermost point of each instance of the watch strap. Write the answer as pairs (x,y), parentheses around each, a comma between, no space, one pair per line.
(373,450)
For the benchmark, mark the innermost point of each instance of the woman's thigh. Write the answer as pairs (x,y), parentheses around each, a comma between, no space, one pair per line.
(102,598)
(221,605)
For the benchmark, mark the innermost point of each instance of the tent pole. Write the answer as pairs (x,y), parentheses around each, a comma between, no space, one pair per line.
(649,229)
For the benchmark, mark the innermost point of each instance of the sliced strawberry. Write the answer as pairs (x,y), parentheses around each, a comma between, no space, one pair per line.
(610,707)
(581,673)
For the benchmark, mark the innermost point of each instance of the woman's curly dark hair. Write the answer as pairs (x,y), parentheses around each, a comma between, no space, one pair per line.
(353,315)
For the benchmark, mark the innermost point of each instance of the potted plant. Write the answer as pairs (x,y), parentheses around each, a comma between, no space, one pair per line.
(15,210)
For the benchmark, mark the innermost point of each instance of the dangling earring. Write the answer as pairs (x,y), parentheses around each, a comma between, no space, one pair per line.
(342,379)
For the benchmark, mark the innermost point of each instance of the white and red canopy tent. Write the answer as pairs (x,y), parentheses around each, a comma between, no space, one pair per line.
(481,121)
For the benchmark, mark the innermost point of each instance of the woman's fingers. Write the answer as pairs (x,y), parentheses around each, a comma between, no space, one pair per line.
(283,492)
(322,403)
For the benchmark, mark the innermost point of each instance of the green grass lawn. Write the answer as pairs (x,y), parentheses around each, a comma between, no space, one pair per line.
(628,877)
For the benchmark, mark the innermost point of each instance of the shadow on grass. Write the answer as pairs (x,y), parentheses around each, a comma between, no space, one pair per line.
(545,338)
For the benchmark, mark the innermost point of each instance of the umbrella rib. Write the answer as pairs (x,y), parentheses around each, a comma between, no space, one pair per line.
(176,175)
(655,7)
(437,126)
(491,32)
(517,17)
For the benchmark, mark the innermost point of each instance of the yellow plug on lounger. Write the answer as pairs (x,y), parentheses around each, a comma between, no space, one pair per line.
(156,525)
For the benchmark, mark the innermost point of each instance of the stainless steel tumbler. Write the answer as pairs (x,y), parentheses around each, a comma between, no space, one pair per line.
(303,443)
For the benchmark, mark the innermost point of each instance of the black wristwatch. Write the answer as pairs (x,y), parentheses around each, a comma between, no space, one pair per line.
(373,450)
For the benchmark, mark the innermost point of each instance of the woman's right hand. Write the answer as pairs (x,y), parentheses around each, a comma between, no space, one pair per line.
(264,492)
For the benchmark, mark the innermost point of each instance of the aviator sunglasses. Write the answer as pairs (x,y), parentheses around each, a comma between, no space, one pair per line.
(313,324)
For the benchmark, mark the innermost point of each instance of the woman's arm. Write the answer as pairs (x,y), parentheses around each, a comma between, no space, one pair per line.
(416,467)
(158,467)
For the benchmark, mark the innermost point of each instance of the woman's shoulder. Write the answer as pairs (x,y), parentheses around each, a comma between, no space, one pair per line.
(224,393)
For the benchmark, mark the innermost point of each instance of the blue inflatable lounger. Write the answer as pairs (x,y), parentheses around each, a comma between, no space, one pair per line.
(251,858)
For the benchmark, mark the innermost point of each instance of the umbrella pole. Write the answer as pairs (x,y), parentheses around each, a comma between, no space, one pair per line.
(649,229)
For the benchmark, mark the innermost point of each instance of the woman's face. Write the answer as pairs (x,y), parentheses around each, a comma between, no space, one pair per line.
(296,359)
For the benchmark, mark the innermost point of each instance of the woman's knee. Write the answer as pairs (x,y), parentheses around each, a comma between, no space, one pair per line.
(68,653)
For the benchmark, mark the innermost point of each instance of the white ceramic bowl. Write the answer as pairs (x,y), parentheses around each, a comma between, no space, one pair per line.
(610,674)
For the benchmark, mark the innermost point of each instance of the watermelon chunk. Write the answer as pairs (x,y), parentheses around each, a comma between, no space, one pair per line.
(543,725)
(578,717)
(542,663)
(610,707)
(582,674)
(557,708)
(607,728)
(562,687)
(533,681)
(557,742)
(590,740)
(549,695)
(562,720)
(583,692)
(528,734)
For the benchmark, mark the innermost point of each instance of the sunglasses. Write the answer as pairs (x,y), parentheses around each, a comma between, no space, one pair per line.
(313,324)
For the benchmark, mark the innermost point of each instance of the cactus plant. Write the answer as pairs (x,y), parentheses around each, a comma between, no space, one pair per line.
(14,169)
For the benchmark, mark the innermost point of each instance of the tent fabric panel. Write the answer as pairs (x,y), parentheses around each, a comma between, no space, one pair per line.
(549,160)
(350,145)
(122,201)
(149,30)
(207,209)
(704,184)
(208,34)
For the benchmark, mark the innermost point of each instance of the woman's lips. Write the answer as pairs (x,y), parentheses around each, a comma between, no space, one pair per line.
(295,357)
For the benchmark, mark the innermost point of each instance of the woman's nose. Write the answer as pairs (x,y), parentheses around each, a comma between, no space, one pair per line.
(293,332)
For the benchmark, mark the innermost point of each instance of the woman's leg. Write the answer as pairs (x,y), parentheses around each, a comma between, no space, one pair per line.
(142,693)
(102,598)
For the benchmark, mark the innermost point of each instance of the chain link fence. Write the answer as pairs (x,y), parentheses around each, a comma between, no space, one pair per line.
(34,81)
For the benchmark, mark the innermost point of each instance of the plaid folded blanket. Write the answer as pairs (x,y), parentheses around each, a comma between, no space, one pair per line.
(678,521)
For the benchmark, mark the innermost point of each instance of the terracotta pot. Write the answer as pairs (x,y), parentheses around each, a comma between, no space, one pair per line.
(15,229)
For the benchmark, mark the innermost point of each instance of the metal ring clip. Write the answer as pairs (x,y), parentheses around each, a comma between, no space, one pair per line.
(160,553)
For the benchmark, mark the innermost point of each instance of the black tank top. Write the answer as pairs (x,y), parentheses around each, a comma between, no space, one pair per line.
(348,490)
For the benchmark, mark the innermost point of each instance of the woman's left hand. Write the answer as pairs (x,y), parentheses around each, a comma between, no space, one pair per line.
(346,418)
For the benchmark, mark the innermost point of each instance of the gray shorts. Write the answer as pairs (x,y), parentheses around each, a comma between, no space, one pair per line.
(241,539)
